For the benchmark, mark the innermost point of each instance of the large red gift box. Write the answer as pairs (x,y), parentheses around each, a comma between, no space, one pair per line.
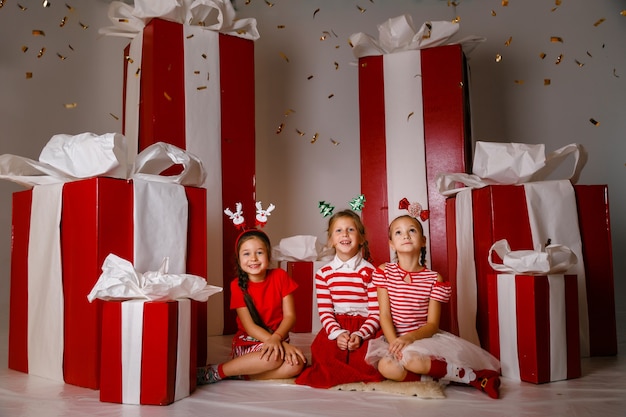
(96,220)
(501,212)
(414,124)
(307,315)
(194,88)
(537,326)
(148,351)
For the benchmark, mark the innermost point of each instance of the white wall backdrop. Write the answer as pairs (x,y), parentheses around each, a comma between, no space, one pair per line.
(306,78)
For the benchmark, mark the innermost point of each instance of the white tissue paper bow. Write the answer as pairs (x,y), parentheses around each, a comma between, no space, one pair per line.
(120,281)
(398,34)
(159,156)
(300,248)
(556,259)
(216,15)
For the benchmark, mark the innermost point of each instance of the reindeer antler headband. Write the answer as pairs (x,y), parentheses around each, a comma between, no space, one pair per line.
(260,218)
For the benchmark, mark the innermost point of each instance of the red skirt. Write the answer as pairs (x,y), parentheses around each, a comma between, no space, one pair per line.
(332,366)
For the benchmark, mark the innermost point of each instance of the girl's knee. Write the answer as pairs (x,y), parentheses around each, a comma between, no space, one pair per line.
(391,369)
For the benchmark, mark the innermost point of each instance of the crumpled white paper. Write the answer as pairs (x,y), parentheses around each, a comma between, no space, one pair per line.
(68,158)
(556,259)
(398,34)
(216,15)
(301,248)
(120,281)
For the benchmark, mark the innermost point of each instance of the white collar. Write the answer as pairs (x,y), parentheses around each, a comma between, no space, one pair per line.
(352,263)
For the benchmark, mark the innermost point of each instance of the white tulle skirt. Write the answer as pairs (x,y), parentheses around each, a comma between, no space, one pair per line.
(441,345)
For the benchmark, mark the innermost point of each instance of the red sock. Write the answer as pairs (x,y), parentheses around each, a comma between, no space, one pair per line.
(438,368)
(220,371)
(487,381)
(412,376)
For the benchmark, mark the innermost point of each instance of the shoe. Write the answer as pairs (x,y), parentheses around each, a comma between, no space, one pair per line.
(207,375)
(487,381)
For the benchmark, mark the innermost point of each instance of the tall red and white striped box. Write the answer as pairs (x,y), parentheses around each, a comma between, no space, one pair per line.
(96,220)
(307,315)
(148,351)
(194,88)
(537,329)
(414,124)
(501,212)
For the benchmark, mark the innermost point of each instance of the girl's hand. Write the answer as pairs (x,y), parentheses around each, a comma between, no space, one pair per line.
(355,342)
(293,355)
(398,344)
(342,341)
(273,348)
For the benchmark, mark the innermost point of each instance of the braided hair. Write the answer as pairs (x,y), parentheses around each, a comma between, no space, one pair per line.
(364,246)
(242,276)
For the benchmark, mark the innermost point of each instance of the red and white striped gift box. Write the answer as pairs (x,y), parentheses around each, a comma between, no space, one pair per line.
(148,351)
(194,88)
(537,319)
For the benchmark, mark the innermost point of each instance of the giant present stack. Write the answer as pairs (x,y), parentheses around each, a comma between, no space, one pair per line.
(414,124)
(82,208)
(189,81)
(512,200)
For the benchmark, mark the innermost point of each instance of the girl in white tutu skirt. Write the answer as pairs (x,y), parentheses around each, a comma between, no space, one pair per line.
(410,297)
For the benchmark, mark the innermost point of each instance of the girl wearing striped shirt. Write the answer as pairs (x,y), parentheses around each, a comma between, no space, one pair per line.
(348,309)
(410,297)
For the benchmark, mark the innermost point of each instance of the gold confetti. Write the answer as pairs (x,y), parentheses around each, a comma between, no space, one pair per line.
(71,47)
(41,52)
(505,3)
(314,138)
(37,32)
(122,20)
(22,8)
(519,82)
(508,41)
(623,12)
(70,105)
(498,57)
(315,12)
(29,75)
(362,10)
(493,13)
(24,48)
(114,116)
(589,54)
(63,21)
(555,39)
(1,3)
(202,87)
(615,73)
(82,25)
(334,142)
(580,64)
(61,56)
(336,65)
(409,116)
(324,35)
(350,43)
(456,19)
(289,111)
(331,96)
(599,22)
(283,56)
(547,81)
(280,26)
(594,122)
(46,3)
(300,132)
(542,55)
(196,72)
(137,72)
(557,2)
(188,36)
(167,96)
(559,59)
(70,8)
(204,56)
(129,59)
(309,77)
(269,4)
(280,128)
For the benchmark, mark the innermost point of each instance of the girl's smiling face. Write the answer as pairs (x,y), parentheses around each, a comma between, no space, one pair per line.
(254,259)
(345,238)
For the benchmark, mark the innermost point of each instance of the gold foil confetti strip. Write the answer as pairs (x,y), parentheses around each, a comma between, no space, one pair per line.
(289,111)
(555,39)
(599,22)
(456,19)
(46,3)
(190,36)
(314,138)
(324,35)
(519,82)
(334,142)
(508,41)
(461,85)
(623,12)
(63,21)
(557,2)
(309,77)
(24,48)
(589,54)
(493,13)
(547,81)
(334,34)
(429,26)
(61,56)
(350,43)
(70,8)
(594,122)
(114,116)
(505,3)
(559,59)
(122,20)
(315,12)
(498,57)
(283,56)
(269,3)
(362,10)
(331,96)
(82,25)
(615,73)
(167,96)
(580,64)
(300,132)
(409,116)
(280,128)
(41,52)
(71,47)
(129,59)
(241,32)
(542,55)
(336,65)
(204,56)
(137,72)
(29,75)
(196,72)
(554,9)
(1,3)
(202,87)
(280,26)
(37,32)
(22,8)
(70,105)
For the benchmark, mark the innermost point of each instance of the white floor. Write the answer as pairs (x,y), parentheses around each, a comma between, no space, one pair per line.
(600,392)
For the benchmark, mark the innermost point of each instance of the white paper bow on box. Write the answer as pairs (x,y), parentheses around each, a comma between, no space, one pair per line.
(68,158)
(556,259)
(302,248)
(120,281)
(398,34)
(216,15)
(511,163)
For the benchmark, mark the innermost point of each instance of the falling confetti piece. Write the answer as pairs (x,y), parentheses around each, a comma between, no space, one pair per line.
(498,57)
(508,41)
(280,26)
(196,72)
(456,19)
(314,138)
(137,72)
(280,128)
(599,22)
(547,81)
(615,73)
(202,87)
(41,52)
(46,3)
(557,2)
(315,12)
(505,3)
(493,13)
(324,35)
(24,48)
(188,37)
(204,56)
(289,111)
(300,132)
(129,59)
(409,116)
(334,142)
(1,3)
(594,122)
(70,8)
(63,21)
(559,59)
(167,96)
(29,75)
(362,10)
(336,65)
(114,116)
(519,82)
(331,96)
(309,77)
(70,105)
(623,12)
(589,54)
(37,32)
(22,8)
(71,47)
(580,64)
(82,25)
(555,39)
(542,55)
(61,56)
(283,56)
(269,4)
